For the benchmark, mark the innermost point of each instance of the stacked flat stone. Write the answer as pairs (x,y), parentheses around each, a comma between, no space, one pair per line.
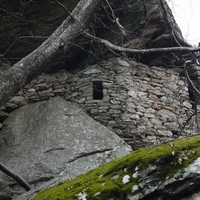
(144,105)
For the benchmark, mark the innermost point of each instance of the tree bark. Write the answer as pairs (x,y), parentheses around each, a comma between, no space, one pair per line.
(57,45)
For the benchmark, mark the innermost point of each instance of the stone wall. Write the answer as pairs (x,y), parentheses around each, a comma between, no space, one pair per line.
(143,105)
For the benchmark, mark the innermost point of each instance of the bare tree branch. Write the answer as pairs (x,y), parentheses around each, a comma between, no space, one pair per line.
(193,87)
(139,51)
(57,45)
(65,9)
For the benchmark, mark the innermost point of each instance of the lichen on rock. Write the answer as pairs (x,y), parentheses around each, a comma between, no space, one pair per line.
(152,172)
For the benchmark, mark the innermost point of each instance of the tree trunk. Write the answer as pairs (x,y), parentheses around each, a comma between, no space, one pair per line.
(57,45)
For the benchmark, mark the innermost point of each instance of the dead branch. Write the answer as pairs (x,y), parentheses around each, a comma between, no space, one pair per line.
(58,45)
(139,51)
(193,87)
(16,177)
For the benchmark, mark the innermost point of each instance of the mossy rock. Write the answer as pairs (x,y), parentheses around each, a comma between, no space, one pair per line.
(122,178)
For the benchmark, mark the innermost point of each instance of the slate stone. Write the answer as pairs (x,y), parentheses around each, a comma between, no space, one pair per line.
(55,138)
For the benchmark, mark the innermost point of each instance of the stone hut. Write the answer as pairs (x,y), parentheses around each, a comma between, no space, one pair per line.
(143,105)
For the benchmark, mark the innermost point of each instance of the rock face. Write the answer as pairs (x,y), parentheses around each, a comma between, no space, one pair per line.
(55,138)
(141,175)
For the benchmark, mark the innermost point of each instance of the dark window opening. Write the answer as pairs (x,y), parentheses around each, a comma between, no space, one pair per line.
(97,90)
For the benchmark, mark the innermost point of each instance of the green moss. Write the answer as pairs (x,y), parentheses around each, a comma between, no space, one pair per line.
(106,181)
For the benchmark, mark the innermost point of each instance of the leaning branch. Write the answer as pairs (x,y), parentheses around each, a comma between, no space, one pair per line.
(139,51)
(58,45)
(16,177)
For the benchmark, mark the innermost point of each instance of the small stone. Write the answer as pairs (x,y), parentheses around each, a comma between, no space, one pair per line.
(141,109)
(92,71)
(59,90)
(58,86)
(149,115)
(82,100)
(142,94)
(132,93)
(187,104)
(153,97)
(156,122)
(126,118)
(18,99)
(165,133)
(166,114)
(123,63)
(115,106)
(41,86)
(134,116)
(45,91)
(150,110)
(168,108)
(31,90)
(114,111)
(92,111)
(171,125)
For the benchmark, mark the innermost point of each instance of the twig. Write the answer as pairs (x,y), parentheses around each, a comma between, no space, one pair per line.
(33,37)
(188,119)
(65,9)
(16,177)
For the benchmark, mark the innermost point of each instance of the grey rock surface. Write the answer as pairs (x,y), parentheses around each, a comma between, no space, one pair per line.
(55,138)
(164,172)
(5,192)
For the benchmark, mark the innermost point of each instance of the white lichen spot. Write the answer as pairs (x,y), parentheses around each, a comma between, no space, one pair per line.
(136,169)
(125,179)
(125,170)
(135,175)
(134,188)
(69,188)
(115,177)
(81,196)
(96,194)
(173,153)
(21,65)
(100,176)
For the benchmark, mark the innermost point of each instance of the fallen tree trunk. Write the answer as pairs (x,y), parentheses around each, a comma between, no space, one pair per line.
(57,45)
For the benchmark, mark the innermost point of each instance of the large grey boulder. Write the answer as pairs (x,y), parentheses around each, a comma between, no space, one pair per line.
(55,138)
(169,171)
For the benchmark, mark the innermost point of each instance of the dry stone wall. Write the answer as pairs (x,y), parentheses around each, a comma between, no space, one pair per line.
(143,105)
